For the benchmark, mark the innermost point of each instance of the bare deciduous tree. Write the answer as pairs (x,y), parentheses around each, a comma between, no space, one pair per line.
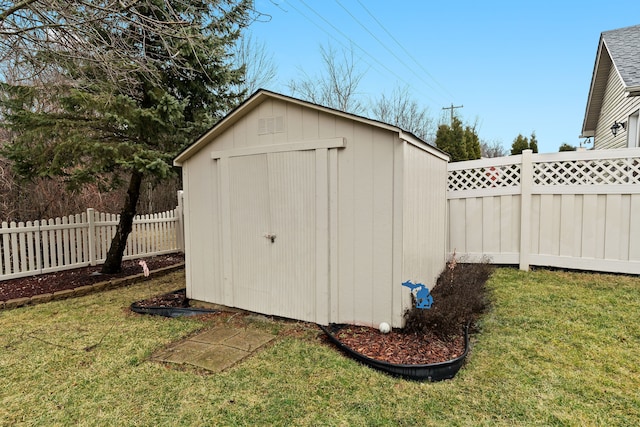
(259,67)
(108,37)
(493,149)
(337,86)
(401,110)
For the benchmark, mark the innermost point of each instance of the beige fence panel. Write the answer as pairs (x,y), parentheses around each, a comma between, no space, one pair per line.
(38,247)
(570,210)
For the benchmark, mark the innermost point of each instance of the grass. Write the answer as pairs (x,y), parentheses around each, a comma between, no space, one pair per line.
(555,349)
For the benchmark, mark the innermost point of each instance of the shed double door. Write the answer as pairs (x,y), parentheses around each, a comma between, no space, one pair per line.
(274,241)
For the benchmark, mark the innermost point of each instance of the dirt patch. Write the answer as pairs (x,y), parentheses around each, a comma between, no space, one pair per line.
(177,299)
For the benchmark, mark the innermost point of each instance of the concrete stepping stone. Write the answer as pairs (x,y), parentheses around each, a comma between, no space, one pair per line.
(219,357)
(215,349)
(183,352)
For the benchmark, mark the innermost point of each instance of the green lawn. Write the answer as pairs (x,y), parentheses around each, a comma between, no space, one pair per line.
(556,349)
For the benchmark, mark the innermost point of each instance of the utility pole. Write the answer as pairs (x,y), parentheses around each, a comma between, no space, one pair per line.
(452,108)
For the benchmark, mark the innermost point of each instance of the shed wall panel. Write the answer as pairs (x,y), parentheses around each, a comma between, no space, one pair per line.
(362,180)
(346,296)
(424,224)
(293,123)
(382,232)
(365,224)
(310,124)
(202,229)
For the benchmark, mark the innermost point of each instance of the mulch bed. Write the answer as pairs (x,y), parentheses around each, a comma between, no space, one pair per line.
(69,279)
(398,347)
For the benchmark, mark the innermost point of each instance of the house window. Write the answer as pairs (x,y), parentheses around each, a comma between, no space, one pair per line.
(633,130)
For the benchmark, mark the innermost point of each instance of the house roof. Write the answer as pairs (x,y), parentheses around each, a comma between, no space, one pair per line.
(621,49)
(262,95)
(624,47)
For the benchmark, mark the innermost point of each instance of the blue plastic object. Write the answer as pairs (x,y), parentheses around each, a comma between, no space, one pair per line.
(421,292)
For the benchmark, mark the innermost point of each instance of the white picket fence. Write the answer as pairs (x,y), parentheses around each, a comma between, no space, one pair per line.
(38,247)
(578,210)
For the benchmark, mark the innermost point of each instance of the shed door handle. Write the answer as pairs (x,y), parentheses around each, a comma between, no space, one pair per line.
(271,237)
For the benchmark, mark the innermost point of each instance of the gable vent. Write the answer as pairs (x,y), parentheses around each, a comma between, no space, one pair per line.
(271,125)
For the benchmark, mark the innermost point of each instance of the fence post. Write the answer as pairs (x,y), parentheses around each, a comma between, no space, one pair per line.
(526,184)
(180,225)
(91,233)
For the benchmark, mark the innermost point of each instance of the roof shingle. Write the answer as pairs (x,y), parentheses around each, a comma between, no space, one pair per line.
(623,45)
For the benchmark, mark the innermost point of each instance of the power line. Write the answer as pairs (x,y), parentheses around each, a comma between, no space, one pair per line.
(337,30)
(348,38)
(382,43)
(404,49)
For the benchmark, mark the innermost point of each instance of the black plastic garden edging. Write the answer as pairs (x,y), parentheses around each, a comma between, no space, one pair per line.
(170,311)
(427,372)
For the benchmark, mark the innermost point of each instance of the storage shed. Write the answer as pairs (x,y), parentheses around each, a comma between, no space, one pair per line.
(301,211)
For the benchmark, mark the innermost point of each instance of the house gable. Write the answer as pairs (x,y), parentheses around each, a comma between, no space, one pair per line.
(615,86)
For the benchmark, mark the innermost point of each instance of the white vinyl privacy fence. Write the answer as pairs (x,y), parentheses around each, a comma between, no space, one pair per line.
(38,247)
(578,210)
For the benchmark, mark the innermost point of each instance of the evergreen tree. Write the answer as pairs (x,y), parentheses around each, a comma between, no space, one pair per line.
(521,143)
(533,143)
(179,81)
(472,142)
(566,147)
(460,143)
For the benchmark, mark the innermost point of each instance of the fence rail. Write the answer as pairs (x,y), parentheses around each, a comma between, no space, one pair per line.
(572,210)
(38,247)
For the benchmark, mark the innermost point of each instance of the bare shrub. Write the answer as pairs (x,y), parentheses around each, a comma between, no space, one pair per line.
(459,296)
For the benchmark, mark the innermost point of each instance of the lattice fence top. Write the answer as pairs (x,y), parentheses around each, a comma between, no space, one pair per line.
(547,173)
(484,177)
(587,172)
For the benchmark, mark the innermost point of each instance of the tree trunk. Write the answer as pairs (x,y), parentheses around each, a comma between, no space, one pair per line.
(113,263)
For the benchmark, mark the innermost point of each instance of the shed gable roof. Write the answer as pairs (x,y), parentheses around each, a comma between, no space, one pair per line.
(621,49)
(262,95)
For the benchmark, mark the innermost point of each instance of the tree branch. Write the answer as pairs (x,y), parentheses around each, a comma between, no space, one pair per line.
(16,7)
